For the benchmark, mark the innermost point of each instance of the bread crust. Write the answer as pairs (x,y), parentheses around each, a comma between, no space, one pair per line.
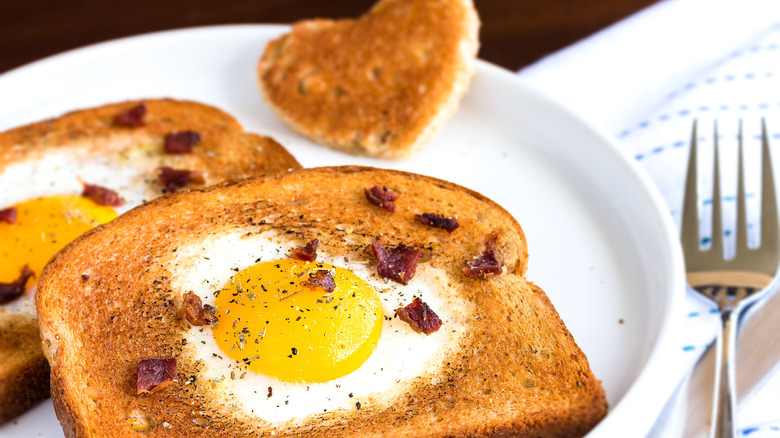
(380,85)
(517,372)
(224,152)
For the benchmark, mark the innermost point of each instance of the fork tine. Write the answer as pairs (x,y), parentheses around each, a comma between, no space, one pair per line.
(742,239)
(769,219)
(689,237)
(717,209)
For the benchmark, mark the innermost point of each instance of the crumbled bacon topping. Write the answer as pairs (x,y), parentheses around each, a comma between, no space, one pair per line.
(397,264)
(489,262)
(174,179)
(132,118)
(419,316)
(8,215)
(438,221)
(321,278)
(307,253)
(181,142)
(15,289)
(155,374)
(195,312)
(102,196)
(382,197)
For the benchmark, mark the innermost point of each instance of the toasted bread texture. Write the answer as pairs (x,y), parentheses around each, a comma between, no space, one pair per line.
(381,85)
(24,372)
(48,158)
(514,369)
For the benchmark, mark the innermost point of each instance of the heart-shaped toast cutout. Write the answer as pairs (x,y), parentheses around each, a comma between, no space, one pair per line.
(380,85)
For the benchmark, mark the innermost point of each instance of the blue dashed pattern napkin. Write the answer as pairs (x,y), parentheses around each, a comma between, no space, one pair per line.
(645,80)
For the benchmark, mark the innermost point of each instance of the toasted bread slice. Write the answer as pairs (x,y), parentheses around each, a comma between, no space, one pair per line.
(391,78)
(502,363)
(53,156)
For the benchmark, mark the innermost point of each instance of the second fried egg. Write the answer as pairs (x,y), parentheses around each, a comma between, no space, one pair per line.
(43,226)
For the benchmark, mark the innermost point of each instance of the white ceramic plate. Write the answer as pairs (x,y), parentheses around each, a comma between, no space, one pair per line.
(601,243)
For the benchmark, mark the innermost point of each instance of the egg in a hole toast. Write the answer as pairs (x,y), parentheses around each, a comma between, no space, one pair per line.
(336,301)
(380,85)
(61,177)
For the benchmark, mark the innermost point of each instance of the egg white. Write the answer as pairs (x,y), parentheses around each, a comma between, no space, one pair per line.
(401,358)
(56,173)
(131,173)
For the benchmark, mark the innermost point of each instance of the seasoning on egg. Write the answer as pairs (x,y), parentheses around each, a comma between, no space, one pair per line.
(289,308)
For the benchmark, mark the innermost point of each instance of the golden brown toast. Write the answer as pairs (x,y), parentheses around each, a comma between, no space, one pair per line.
(381,85)
(94,136)
(24,372)
(502,363)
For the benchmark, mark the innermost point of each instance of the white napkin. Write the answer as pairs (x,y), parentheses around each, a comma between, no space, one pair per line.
(646,79)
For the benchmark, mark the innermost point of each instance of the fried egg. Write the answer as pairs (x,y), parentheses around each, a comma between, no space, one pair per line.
(281,351)
(46,188)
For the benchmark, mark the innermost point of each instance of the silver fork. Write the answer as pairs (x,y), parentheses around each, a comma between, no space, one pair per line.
(733,284)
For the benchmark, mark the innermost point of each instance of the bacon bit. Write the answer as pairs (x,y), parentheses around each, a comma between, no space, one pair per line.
(438,221)
(132,118)
(155,374)
(15,289)
(420,317)
(174,179)
(181,142)
(102,196)
(489,261)
(397,264)
(321,278)
(8,215)
(307,253)
(382,197)
(196,313)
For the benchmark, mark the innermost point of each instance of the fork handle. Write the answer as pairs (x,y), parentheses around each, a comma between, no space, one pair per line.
(724,401)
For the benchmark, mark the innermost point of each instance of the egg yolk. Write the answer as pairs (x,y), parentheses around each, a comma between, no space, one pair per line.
(277,326)
(42,227)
